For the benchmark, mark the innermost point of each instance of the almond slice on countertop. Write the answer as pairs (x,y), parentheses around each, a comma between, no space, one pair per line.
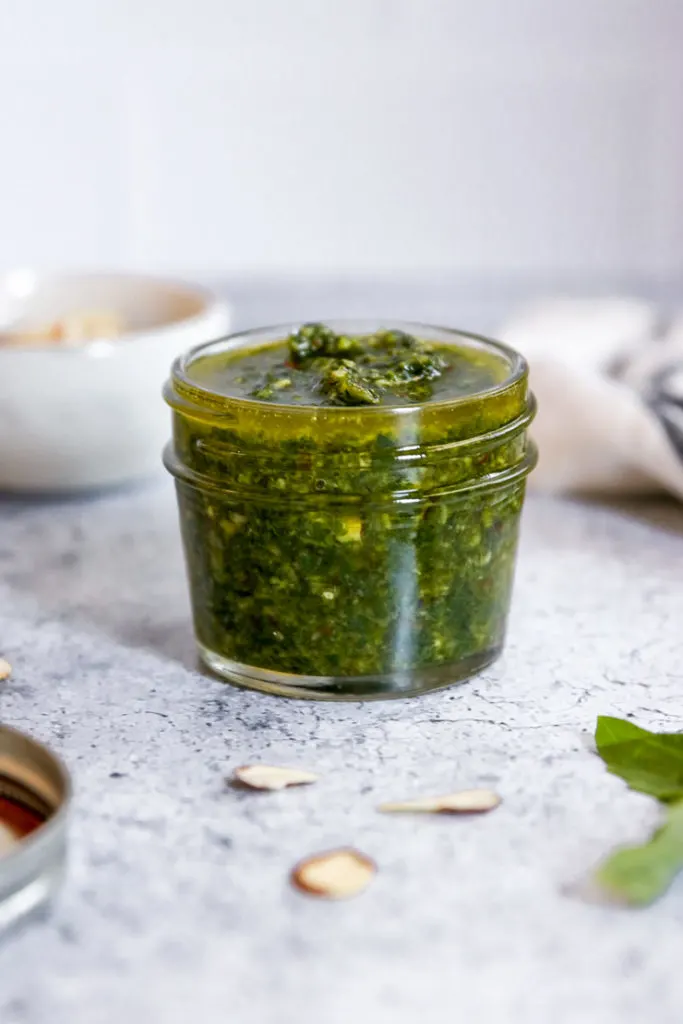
(467,801)
(335,875)
(264,776)
(5,669)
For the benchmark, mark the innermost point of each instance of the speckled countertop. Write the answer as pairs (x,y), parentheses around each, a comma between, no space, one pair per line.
(177,905)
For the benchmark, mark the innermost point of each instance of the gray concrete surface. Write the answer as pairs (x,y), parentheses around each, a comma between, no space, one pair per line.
(177,905)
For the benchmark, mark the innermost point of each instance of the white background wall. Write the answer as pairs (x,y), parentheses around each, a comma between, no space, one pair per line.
(525,137)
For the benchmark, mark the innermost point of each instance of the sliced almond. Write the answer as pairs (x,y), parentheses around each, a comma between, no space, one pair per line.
(5,669)
(335,875)
(264,776)
(467,801)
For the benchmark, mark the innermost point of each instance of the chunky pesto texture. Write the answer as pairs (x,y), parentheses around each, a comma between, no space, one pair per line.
(359,544)
(329,592)
(317,366)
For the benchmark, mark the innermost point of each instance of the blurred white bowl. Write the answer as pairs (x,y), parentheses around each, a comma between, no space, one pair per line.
(91,415)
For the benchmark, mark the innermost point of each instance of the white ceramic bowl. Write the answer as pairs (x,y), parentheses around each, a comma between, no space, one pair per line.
(91,415)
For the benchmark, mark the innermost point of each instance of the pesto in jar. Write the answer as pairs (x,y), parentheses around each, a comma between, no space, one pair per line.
(349,505)
(316,366)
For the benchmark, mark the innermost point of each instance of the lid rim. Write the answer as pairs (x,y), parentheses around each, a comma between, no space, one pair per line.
(43,849)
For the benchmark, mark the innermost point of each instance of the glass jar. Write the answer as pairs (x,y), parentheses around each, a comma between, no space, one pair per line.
(350,552)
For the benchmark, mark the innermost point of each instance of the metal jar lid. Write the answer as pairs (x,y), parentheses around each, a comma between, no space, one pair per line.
(35,791)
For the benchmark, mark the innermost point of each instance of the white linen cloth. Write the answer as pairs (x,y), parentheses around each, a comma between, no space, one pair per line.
(608,377)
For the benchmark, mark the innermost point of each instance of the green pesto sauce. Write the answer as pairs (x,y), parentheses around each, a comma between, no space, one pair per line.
(350,555)
(316,366)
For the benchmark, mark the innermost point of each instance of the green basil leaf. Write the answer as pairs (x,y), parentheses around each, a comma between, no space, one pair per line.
(637,875)
(649,762)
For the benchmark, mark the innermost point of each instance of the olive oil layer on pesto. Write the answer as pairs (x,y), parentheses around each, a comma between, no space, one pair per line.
(342,559)
(315,366)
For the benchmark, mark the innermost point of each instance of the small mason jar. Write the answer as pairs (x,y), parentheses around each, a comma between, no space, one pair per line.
(349,552)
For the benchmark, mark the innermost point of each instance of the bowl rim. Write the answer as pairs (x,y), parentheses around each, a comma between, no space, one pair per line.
(212,302)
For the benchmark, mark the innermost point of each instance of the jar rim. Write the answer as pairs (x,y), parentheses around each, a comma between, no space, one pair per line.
(216,402)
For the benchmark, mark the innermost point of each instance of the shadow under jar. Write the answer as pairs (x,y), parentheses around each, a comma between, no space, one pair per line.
(342,550)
